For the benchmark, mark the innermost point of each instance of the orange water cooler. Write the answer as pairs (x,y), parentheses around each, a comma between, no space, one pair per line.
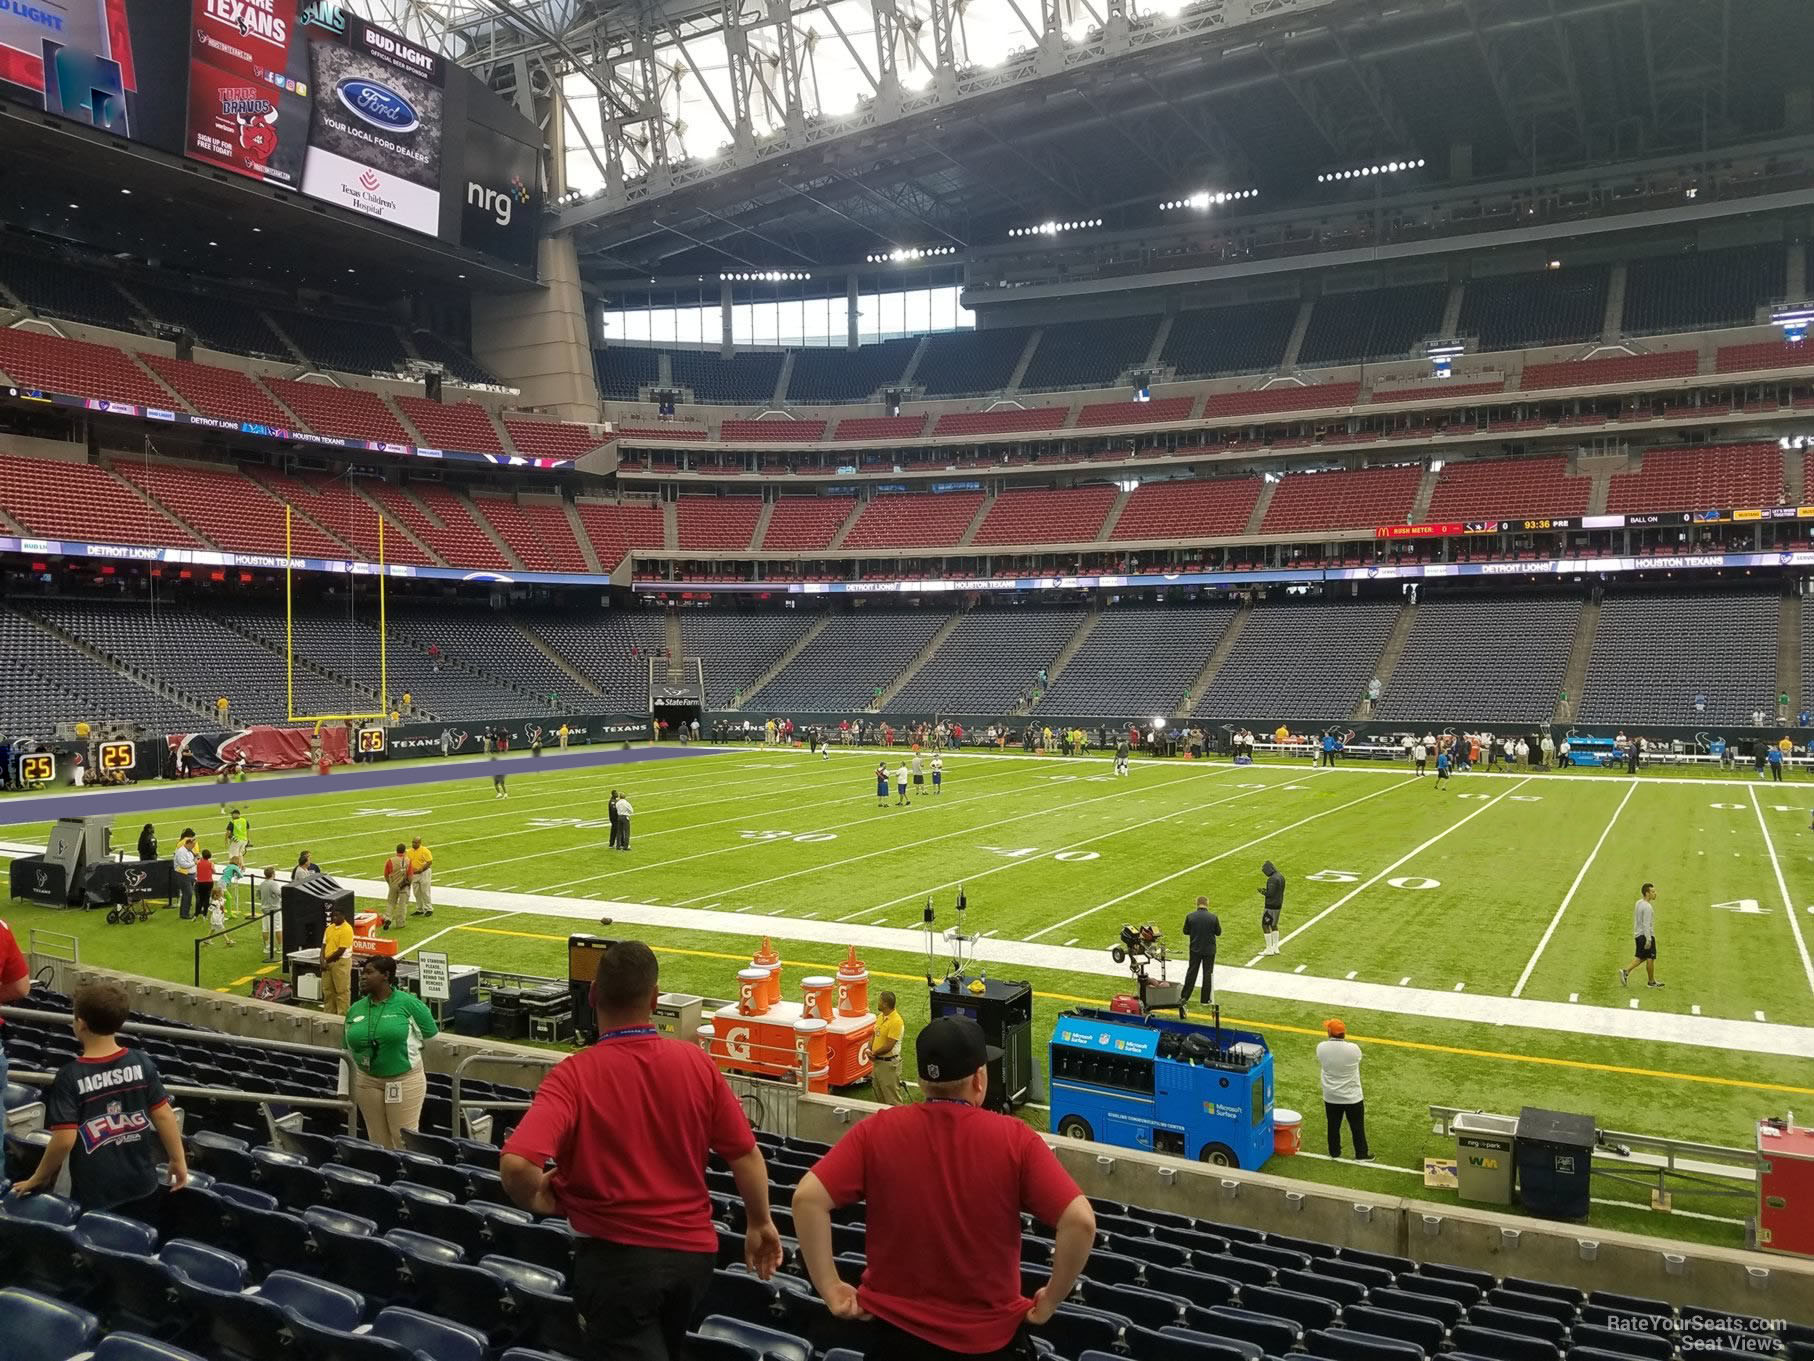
(764,1034)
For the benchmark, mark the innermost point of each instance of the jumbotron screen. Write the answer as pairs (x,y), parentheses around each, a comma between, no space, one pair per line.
(297,93)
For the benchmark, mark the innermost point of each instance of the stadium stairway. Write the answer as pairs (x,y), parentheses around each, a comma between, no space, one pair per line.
(786,659)
(1393,650)
(578,526)
(926,654)
(976,522)
(763,516)
(1026,357)
(1261,504)
(1576,676)
(1070,649)
(489,530)
(555,659)
(850,522)
(1420,503)
(402,418)
(1206,677)
(1108,521)
(394,525)
(157,507)
(302,513)
(670,527)
(1788,653)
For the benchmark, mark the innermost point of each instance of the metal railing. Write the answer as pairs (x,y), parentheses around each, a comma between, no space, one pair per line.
(178,1091)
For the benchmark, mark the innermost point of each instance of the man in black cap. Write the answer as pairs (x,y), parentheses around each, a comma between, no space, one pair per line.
(1201,928)
(945,1183)
(1273,894)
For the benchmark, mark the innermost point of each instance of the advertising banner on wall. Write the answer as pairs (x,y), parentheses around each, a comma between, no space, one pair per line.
(117,65)
(249,89)
(500,195)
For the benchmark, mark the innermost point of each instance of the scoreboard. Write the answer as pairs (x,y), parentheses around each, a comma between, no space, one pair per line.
(38,767)
(116,757)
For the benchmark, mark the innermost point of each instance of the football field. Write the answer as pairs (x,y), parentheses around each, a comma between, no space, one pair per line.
(1470,936)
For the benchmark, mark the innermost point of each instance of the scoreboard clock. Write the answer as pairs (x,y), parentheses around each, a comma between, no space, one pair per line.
(371,740)
(39,767)
(118,756)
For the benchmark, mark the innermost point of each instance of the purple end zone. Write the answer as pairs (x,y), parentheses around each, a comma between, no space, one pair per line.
(201,789)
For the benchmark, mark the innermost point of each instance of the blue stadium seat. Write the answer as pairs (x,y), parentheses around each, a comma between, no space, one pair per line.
(1568,1294)
(1315,1281)
(432,1172)
(1143,1307)
(1517,1321)
(292,1178)
(224,1157)
(1503,1346)
(1234,1268)
(104,1232)
(1482,1281)
(1345,1268)
(1199,1287)
(276,1239)
(252,1325)
(1645,1346)
(132,1347)
(1345,1344)
(697,1347)
(204,1265)
(1279,1259)
(770,1344)
(367,1156)
(737,1294)
(38,1245)
(1418,1329)
(1307,1311)
(433,1214)
(1549,1306)
(1267,1331)
(1308,1246)
(1197,1240)
(36,1327)
(329,1220)
(1463,1293)
(1075,1328)
(374,1267)
(1445,1311)
(1114,1268)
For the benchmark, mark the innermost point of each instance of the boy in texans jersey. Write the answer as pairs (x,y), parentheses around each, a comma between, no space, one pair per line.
(108,1115)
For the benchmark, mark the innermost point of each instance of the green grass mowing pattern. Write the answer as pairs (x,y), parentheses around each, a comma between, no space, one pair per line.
(1139,848)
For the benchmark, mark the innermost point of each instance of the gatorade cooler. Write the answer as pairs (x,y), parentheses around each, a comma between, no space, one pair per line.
(705,1035)
(853,986)
(1287,1132)
(812,1036)
(752,991)
(766,958)
(367,923)
(820,994)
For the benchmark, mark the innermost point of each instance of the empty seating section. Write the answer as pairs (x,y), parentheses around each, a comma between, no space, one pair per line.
(45,680)
(614,529)
(610,650)
(1508,486)
(1138,661)
(79,501)
(343,343)
(1241,339)
(743,380)
(967,363)
(184,648)
(225,394)
(1703,289)
(716,523)
(855,655)
(229,509)
(624,371)
(346,413)
(988,660)
(1045,516)
(1284,397)
(800,524)
(1305,663)
(1135,413)
(1551,307)
(1437,391)
(458,363)
(460,544)
(781,432)
(460,540)
(465,426)
(1469,658)
(550,439)
(491,645)
(1624,368)
(221,324)
(1089,354)
(536,531)
(334,505)
(1356,499)
(1189,509)
(737,648)
(880,427)
(1722,477)
(55,288)
(1654,651)
(1769,354)
(632,434)
(914,520)
(34,359)
(1375,323)
(1002,420)
(841,375)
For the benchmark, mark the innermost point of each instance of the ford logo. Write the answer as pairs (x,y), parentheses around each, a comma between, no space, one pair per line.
(378,105)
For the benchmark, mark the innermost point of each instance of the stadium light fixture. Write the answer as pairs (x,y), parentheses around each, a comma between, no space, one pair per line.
(1204,199)
(1056,228)
(1367,171)
(908,255)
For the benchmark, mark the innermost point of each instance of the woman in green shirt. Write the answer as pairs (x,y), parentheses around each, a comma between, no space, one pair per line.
(385,1030)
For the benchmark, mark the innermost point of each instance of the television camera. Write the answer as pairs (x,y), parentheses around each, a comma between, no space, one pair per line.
(1139,947)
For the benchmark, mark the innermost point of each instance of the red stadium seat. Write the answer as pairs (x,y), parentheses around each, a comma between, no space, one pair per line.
(346,413)
(464,426)
(537,532)
(914,520)
(1357,499)
(1034,515)
(717,523)
(880,427)
(1188,510)
(1508,486)
(550,439)
(799,524)
(79,501)
(35,359)
(1135,413)
(1002,420)
(1720,477)
(225,394)
(1285,397)
(785,432)
(230,509)
(1624,368)
(615,528)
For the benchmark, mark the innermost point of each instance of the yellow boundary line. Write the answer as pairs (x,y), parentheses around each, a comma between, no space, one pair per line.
(1581,1065)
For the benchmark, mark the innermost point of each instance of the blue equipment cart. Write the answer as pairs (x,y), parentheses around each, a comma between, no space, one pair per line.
(1167,1086)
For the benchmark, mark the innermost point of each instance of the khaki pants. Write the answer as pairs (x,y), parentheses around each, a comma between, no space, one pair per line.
(422,883)
(337,986)
(398,899)
(385,1121)
(886,1082)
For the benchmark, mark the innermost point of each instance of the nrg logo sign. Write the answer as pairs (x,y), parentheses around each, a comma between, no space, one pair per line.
(500,203)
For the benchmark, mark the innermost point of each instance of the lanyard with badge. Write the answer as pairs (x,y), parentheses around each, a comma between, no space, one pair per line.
(630,1032)
(393,1087)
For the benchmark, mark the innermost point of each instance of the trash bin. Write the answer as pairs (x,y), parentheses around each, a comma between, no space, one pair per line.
(1555,1162)
(1484,1146)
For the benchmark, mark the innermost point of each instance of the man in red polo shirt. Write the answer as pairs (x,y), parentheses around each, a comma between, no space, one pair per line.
(627,1125)
(945,1183)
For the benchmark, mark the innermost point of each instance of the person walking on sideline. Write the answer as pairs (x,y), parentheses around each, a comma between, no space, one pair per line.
(885,1049)
(421,877)
(1272,894)
(1340,1058)
(396,881)
(945,1183)
(1644,928)
(1201,928)
(615,817)
(628,1124)
(239,834)
(623,821)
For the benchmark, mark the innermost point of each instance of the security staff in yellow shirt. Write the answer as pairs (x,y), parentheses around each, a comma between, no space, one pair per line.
(421,878)
(337,963)
(885,1049)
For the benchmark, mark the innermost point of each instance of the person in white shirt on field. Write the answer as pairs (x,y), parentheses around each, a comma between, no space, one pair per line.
(1340,1059)
(1420,754)
(900,783)
(1644,928)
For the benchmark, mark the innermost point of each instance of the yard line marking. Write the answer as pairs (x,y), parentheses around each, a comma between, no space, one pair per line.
(1071,941)
(1460,986)
(1402,860)
(1567,898)
(1222,855)
(1757,1016)
(708,907)
(269,968)
(1801,946)
(1352,972)
(1634,1004)
(1406,979)
(808,916)
(1695,1009)
(747,907)
(430,940)
(1300,968)
(1576,997)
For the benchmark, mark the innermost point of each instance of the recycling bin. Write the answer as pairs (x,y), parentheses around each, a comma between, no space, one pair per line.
(1484,1149)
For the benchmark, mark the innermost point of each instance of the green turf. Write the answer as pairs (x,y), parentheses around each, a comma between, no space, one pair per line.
(720,832)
